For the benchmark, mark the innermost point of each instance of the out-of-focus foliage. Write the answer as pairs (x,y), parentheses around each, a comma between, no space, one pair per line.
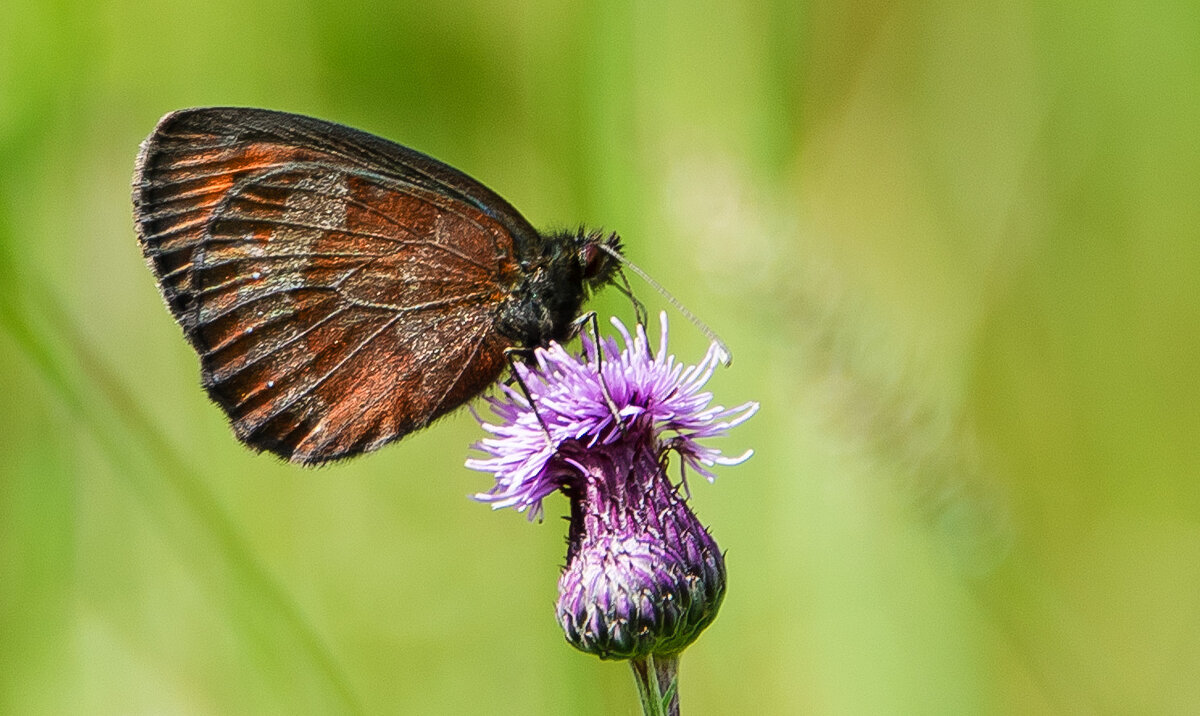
(953,247)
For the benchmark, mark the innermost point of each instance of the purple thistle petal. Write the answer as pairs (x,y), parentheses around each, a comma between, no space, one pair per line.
(651,391)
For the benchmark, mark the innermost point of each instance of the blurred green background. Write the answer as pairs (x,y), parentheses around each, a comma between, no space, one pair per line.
(954,248)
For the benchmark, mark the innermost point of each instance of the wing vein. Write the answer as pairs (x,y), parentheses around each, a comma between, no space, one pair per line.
(414,239)
(332,314)
(292,224)
(462,369)
(255,299)
(309,388)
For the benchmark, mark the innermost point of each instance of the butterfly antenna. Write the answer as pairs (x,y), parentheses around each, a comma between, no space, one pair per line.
(710,334)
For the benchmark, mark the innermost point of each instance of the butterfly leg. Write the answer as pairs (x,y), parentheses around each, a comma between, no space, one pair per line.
(639,310)
(590,318)
(511,354)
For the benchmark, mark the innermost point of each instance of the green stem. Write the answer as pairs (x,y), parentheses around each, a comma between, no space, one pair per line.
(657,677)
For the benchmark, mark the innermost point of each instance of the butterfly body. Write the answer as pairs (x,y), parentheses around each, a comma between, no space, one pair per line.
(341,290)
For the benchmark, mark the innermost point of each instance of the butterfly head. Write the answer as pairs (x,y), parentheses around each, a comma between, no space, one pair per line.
(595,253)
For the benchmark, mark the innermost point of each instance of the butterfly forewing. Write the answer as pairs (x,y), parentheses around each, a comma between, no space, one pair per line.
(339,292)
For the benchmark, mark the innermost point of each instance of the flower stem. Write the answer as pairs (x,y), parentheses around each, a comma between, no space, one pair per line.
(657,677)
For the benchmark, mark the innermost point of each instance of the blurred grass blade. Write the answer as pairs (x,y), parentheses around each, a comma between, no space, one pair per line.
(174,497)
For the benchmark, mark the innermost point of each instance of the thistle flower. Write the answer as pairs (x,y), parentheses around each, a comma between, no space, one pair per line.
(643,577)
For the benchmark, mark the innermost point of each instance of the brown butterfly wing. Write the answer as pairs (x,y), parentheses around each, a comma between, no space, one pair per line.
(341,291)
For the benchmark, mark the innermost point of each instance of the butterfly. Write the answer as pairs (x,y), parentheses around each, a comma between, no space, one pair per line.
(341,290)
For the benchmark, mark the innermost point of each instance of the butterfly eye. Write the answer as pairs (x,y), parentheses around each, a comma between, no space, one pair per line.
(593,260)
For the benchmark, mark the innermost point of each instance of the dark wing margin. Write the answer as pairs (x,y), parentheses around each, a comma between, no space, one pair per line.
(340,289)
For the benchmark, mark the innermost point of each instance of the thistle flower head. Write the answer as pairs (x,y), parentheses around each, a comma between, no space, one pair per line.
(643,576)
(652,392)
